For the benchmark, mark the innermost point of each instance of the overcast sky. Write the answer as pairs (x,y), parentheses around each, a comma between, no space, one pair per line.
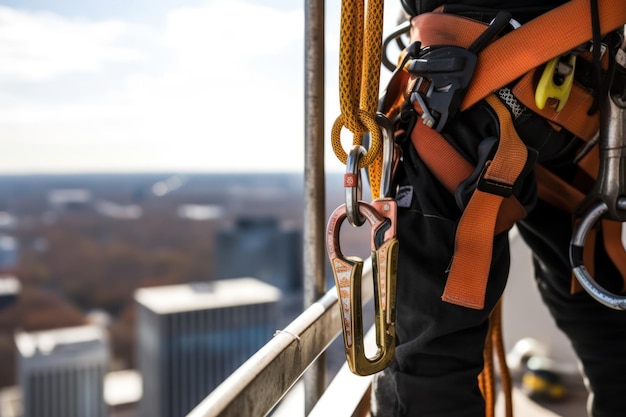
(145,85)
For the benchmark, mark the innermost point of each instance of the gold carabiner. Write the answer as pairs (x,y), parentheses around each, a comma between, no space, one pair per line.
(348,277)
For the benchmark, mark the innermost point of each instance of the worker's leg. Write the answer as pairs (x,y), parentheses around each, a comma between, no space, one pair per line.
(597,333)
(440,345)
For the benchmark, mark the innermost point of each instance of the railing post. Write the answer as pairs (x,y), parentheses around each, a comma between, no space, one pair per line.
(314,199)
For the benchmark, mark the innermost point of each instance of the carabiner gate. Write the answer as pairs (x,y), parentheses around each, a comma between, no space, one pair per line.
(601,295)
(348,271)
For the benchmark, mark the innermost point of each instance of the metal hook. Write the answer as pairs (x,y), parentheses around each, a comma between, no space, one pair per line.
(352,184)
(577,243)
(607,198)
(348,276)
(397,33)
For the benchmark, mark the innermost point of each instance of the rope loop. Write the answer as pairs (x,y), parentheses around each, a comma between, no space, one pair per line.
(375,138)
(359,74)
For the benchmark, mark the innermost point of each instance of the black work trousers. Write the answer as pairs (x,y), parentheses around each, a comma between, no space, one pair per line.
(439,352)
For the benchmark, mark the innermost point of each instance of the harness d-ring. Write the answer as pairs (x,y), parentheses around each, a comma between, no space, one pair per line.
(617,302)
(352,184)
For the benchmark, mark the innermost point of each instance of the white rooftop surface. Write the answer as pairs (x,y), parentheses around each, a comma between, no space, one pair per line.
(9,285)
(69,195)
(11,402)
(207,295)
(47,341)
(122,387)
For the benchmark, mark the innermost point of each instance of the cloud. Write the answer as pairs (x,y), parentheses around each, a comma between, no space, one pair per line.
(218,87)
(41,46)
(226,92)
(231,32)
(233,95)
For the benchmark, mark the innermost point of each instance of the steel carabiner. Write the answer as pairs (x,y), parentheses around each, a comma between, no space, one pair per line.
(347,271)
(607,198)
(617,302)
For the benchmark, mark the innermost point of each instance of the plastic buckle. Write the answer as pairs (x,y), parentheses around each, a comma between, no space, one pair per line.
(449,70)
(556,81)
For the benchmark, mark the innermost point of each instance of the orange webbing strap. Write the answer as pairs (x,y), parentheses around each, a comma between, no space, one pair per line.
(549,35)
(566,197)
(445,29)
(444,162)
(450,169)
(394,96)
(556,191)
(559,193)
(573,117)
(471,263)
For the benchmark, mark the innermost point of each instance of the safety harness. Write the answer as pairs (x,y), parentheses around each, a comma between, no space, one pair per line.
(451,64)
(517,55)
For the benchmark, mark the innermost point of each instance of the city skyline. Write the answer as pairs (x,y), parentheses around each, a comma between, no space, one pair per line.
(162,247)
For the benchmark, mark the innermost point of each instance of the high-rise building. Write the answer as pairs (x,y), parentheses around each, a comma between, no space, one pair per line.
(9,253)
(263,248)
(192,336)
(61,371)
(9,290)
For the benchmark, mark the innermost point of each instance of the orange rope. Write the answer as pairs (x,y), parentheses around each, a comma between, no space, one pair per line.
(494,343)
(498,345)
(487,377)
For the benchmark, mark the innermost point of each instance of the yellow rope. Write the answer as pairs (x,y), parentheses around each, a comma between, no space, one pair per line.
(359,78)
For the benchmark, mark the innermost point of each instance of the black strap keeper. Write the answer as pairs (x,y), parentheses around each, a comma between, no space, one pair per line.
(495,187)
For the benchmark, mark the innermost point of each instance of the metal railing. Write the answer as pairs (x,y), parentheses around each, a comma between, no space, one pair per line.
(296,352)
(256,387)
(315,192)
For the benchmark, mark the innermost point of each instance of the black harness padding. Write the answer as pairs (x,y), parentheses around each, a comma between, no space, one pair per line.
(522,10)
